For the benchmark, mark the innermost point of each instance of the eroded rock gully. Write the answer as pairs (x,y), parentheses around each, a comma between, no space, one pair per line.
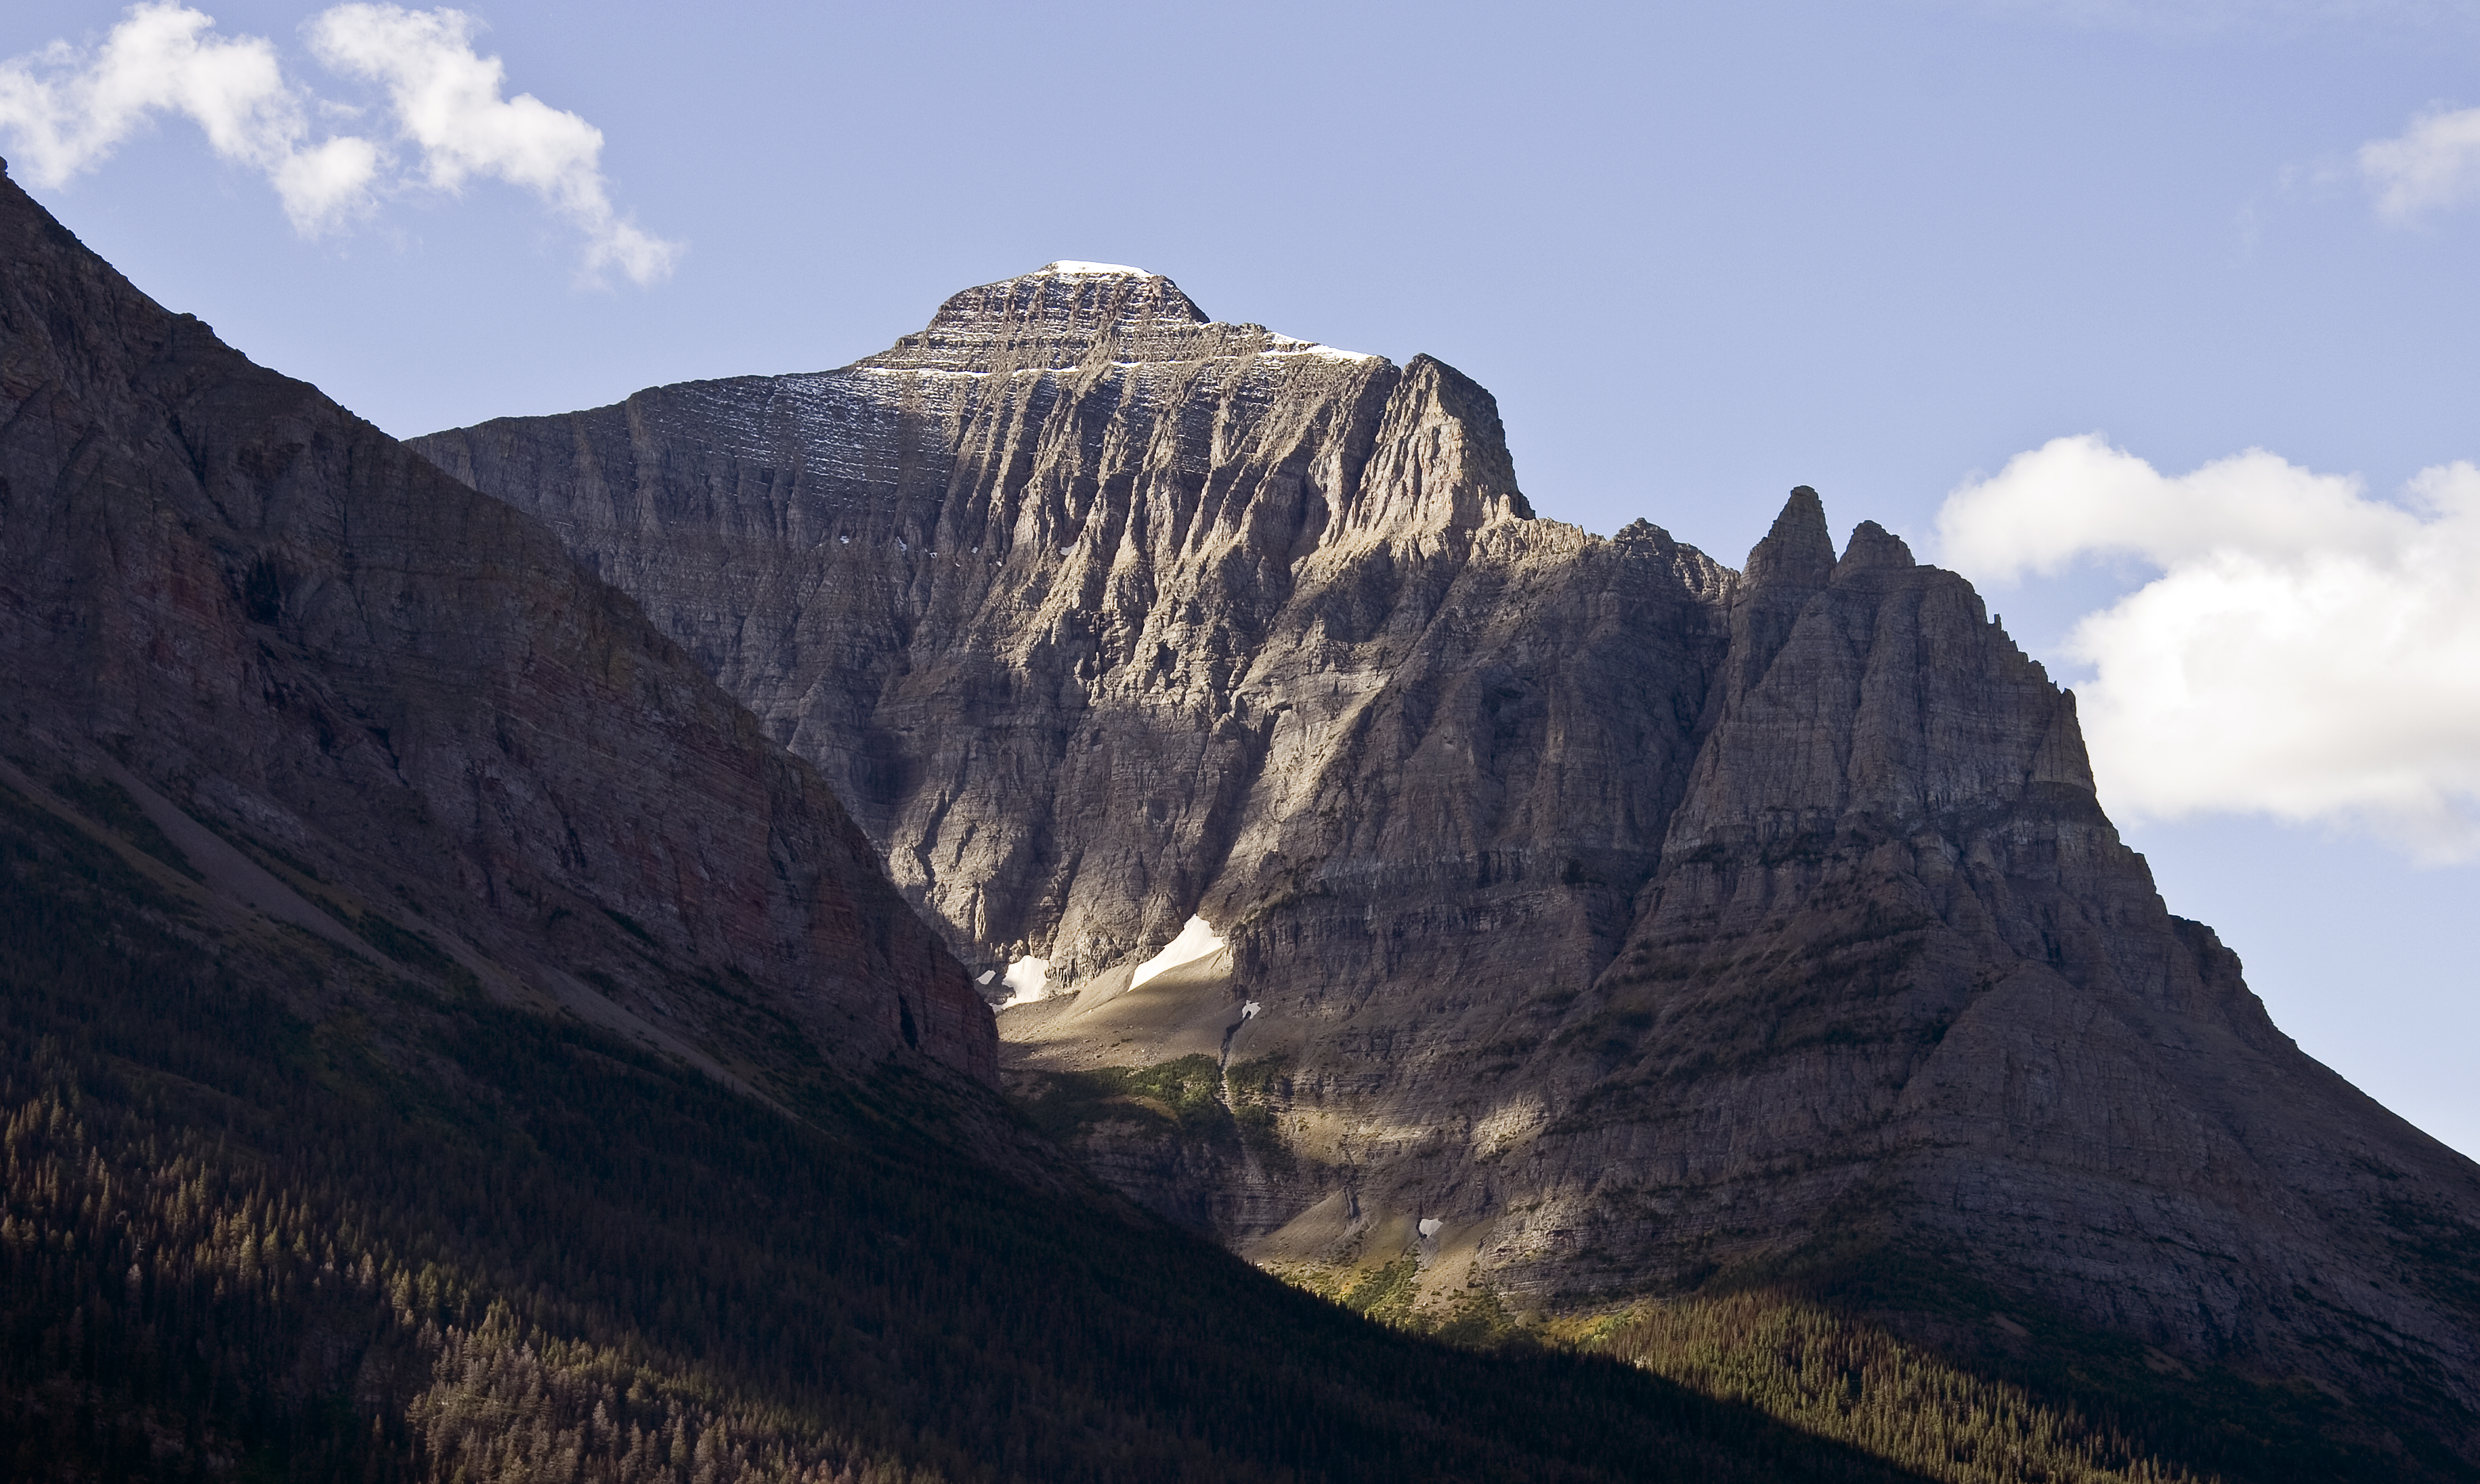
(1632,917)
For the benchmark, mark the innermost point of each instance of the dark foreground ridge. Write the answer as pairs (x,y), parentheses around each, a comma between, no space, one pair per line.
(424,1236)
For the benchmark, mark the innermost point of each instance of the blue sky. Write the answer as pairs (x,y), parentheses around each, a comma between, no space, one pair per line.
(1701,254)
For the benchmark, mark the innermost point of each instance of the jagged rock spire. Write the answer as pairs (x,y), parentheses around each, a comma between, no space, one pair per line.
(1440,460)
(1798,551)
(1793,562)
(1874,547)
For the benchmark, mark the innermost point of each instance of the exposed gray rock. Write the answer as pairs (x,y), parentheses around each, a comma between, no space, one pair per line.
(1633,917)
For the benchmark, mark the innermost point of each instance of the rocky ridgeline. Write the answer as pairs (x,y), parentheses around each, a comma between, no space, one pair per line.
(369,704)
(1613,920)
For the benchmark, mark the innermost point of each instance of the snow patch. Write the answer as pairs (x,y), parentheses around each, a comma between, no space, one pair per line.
(1196,941)
(1430,1227)
(1323,353)
(1070,268)
(1028,980)
(987,976)
(1249,1011)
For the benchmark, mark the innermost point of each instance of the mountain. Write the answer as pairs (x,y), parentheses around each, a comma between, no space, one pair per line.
(443,1038)
(388,698)
(1573,919)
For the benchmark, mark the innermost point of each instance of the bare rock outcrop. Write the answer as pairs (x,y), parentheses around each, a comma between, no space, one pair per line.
(1588,918)
(405,710)
(1897,976)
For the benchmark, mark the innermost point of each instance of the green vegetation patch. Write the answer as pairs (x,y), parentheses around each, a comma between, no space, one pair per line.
(60,873)
(1386,1294)
(1845,1379)
(110,805)
(1259,1090)
(1476,1318)
(2000,1386)
(1479,1320)
(1186,1094)
(411,947)
(1193,1097)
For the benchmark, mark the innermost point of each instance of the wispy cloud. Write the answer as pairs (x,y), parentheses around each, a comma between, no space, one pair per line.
(2306,652)
(2433,164)
(447,101)
(67,111)
(2201,18)
(64,111)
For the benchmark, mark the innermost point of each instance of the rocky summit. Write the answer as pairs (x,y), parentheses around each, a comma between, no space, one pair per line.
(1374,872)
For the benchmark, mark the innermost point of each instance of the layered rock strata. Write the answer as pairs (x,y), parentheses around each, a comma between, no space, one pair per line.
(387,711)
(1597,918)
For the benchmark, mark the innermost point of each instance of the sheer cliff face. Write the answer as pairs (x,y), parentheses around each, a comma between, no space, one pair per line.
(1896,980)
(1610,918)
(402,707)
(1043,589)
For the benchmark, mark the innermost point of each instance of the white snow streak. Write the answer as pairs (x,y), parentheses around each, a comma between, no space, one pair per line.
(1196,941)
(1070,268)
(1029,980)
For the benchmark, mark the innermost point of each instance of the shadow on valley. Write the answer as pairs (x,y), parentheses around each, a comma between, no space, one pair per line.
(1915,1362)
(274,1213)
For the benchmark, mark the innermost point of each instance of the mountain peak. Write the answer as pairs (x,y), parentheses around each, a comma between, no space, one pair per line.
(1062,307)
(1440,461)
(1871,546)
(1798,549)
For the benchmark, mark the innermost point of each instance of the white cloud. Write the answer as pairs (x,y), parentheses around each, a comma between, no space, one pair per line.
(2434,165)
(328,184)
(65,112)
(2306,652)
(447,101)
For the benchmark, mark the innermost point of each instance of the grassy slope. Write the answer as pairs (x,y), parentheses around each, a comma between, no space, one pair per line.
(272,1209)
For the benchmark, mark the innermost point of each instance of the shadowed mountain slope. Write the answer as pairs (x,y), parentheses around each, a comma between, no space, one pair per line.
(246,605)
(409,1234)
(1597,921)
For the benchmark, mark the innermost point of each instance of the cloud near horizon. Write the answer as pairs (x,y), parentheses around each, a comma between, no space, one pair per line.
(2189,18)
(66,111)
(2431,166)
(2305,652)
(446,98)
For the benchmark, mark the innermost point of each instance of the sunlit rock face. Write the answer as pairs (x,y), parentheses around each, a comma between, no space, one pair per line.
(1628,918)
(1102,615)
